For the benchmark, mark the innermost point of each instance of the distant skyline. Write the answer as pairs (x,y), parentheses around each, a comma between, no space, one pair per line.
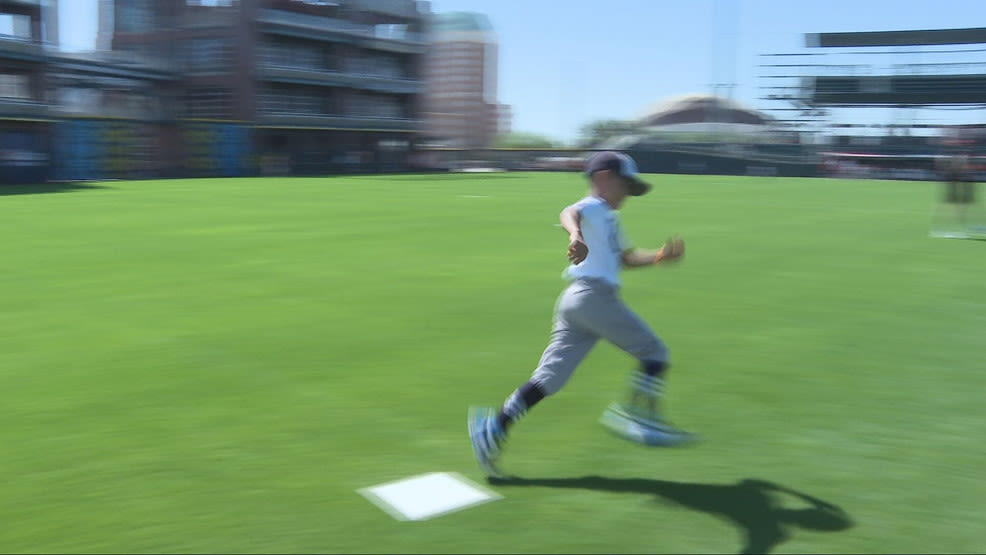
(566,64)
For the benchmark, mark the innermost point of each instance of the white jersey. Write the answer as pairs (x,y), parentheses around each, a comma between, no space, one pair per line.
(603,235)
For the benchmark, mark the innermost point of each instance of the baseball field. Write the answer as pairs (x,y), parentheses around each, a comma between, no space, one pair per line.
(220,365)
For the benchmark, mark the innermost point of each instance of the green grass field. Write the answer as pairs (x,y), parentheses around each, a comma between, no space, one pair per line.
(218,365)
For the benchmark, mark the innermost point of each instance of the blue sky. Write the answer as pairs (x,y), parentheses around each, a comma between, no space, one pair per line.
(563,64)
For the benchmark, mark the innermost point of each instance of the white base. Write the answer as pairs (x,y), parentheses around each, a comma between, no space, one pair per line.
(427,496)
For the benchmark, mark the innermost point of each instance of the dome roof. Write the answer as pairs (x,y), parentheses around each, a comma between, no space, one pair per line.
(700,108)
(460,21)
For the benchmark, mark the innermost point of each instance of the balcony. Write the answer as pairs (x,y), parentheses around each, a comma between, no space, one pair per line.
(308,26)
(18,109)
(386,84)
(399,8)
(300,76)
(120,65)
(356,123)
(328,29)
(387,44)
(26,3)
(21,49)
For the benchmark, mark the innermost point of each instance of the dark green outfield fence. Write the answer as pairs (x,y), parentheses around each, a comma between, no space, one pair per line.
(757,163)
(88,149)
(721,159)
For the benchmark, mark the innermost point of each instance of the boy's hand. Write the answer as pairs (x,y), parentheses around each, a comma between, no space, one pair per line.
(577,249)
(673,249)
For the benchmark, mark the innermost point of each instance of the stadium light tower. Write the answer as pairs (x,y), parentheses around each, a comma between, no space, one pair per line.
(722,52)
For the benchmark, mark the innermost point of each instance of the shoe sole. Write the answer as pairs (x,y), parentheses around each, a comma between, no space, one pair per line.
(474,433)
(627,427)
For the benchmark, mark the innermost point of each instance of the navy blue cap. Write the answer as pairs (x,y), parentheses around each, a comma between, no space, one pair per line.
(623,165)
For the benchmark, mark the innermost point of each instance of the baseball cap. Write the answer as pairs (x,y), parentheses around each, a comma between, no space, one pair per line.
(620,163)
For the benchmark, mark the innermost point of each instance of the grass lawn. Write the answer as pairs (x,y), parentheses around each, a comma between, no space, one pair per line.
(218,365)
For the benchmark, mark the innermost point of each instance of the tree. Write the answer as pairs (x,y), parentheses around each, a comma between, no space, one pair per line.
(593,133)
(524,140)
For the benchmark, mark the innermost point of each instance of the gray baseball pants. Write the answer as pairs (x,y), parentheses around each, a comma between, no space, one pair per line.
(586,311)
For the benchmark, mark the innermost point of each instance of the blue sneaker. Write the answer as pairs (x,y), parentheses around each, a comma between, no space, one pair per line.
(633,424)
(487,437)
(639,420)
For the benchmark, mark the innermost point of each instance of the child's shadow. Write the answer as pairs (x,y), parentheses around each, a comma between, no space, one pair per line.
(754,506)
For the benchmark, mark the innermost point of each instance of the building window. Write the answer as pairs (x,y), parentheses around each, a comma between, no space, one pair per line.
(375,106)
(15,26)
(134,16)
(211,3)
(208,54)
(15,86)
(390,31)
(147,52)
(377,65)
(291,55)
(290,101)
(208,103)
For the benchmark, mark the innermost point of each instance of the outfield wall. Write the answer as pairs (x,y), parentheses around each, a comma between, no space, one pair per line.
(88,149)
(684,162)
(714,159)
(24,152)
(93,149)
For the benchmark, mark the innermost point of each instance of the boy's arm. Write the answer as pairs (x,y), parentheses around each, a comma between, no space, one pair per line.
(673,249)
(571,221)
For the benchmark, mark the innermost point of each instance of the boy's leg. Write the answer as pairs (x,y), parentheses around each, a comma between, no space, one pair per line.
(639,418)
(646,389)
(518,403)
(567,349)
(488,428)
(612,320)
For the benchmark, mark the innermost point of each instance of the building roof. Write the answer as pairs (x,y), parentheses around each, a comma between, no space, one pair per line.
(700,108)
(460,21)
